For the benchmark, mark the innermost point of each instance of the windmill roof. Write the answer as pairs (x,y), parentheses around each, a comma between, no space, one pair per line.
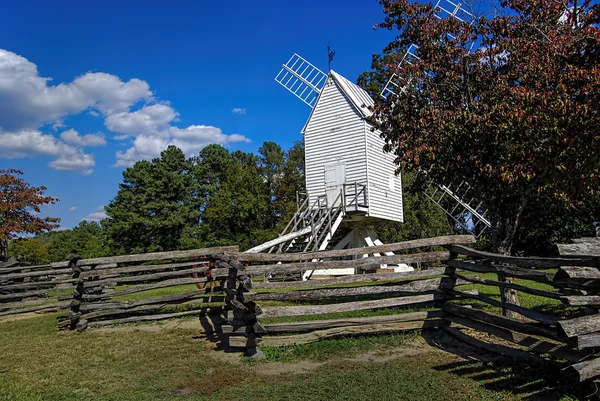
(357,95)
(359,98)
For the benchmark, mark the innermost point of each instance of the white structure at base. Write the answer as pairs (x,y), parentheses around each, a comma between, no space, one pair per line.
(359,237)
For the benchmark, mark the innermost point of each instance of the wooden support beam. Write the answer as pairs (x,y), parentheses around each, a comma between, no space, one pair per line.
(164,316)
(580,325)
(360,264)
(399,246)
(583,371)
(510,271)
(528,290)
(142,268)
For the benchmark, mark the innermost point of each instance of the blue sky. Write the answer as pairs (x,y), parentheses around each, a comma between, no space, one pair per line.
(129,77)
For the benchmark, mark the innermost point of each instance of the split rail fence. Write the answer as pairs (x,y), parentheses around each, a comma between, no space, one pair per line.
(563,328)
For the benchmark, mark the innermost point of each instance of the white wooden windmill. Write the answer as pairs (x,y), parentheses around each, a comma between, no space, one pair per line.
(349,179)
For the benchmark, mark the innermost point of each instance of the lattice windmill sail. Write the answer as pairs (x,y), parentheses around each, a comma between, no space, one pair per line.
(302,78)
(454,200)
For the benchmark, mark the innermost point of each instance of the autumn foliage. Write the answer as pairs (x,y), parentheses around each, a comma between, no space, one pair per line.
(508,103)
(19,202)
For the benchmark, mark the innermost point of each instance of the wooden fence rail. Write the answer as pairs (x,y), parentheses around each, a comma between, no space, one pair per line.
(566,331)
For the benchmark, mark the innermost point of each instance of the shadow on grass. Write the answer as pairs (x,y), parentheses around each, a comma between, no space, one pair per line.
(499,373)
(213,332)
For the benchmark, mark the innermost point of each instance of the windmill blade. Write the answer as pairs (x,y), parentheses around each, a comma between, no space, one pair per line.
(398,84)
(448,9)
(461,205)
(302,78)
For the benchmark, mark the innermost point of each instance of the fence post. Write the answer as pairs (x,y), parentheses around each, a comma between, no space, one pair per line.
(75,305)
(244,329)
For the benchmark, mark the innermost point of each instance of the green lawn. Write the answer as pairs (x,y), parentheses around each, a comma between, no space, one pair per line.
(38,363)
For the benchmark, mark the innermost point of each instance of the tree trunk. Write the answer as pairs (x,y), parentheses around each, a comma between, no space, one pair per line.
(503,235)
(3,249)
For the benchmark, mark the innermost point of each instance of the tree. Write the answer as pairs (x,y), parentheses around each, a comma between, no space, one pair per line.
(154,205)
(34,251)
(517,119)
(239,211)
(87,240)
(19,202)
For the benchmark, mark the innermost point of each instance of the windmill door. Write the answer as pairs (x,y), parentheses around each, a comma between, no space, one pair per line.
(335,177)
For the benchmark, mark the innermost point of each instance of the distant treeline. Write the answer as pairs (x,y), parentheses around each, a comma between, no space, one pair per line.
(236,198)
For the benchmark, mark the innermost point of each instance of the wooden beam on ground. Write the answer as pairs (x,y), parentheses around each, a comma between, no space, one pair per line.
(580,325)
(495,348)
(399,246)
(535,345)
(302,327)
(583,371)
(365,329)
(145,257)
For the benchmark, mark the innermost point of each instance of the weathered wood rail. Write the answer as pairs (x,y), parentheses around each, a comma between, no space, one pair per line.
(563,329)
(103,296)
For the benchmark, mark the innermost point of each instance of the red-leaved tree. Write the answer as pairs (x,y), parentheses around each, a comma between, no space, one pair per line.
(18,203)
(507,103)
(515,118)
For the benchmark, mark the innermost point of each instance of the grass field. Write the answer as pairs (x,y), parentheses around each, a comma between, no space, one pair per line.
(174,360)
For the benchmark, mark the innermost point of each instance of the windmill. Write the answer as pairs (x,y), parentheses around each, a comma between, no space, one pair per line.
(454,198)
(349,180)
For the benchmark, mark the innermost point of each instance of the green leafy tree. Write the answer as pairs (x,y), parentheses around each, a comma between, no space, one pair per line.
(154,205)
(517,119)
(34,252)
(19,204)
(239,211)
(87,240)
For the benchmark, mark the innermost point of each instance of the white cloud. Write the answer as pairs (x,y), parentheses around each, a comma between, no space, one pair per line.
(29,101)
(97,215)
(152,119)
(72,208)
(190,140)
(32,142)
(72,137)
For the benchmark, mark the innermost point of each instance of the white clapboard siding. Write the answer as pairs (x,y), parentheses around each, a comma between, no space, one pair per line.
(385,187)
(337,132)
(334,133)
